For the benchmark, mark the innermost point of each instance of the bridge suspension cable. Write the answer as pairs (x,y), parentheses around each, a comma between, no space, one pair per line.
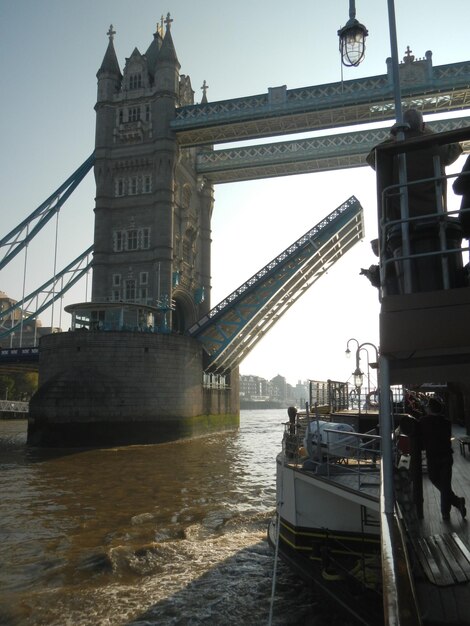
(22,234)
(49,291)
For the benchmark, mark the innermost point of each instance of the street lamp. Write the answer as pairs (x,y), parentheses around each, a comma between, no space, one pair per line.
(369,365)
(358,376)
(348,351)
(385,420)
(352,38)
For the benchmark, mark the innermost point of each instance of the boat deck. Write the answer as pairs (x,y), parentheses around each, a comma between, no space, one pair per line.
(348,475)
(440,551)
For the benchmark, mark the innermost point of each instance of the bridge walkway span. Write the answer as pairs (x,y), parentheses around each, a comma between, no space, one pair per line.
(231,329)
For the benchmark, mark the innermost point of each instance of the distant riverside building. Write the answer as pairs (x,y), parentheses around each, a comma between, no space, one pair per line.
(27,334)
(278,390)
(255,388)
(301,393)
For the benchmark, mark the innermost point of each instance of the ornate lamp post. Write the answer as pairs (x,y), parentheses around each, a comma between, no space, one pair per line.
(348,351)
(352,38)
(385,419)
(358,376)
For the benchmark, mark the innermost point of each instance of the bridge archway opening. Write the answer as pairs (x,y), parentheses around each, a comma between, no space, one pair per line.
(184,314)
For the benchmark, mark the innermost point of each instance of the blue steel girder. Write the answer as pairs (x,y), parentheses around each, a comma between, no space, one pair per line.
(21,235)
(316,154)
(230,355)
(282,111)
(49,292)
(232,328)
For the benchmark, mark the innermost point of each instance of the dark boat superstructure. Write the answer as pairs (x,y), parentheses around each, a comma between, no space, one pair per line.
(424,338)
(328,503)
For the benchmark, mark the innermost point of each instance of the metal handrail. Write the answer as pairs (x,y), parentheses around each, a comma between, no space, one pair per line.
(13,406)
(364,452)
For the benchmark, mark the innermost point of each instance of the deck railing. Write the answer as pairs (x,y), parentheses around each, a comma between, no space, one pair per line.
(343,451)
(420,252)
(12,406)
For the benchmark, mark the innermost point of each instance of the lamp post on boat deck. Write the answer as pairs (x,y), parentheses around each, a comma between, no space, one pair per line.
(348,351)
(369,365)
(358,376)
(368,370)
(384,378)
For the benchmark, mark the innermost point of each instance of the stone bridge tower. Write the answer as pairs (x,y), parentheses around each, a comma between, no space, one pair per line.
(152,214)
(128,372)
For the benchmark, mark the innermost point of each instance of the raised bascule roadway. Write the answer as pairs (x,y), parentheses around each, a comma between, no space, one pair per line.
(233,327)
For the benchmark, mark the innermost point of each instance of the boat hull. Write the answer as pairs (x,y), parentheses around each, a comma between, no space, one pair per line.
(329,533)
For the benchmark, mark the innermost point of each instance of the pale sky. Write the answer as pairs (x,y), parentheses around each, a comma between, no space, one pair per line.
(50,53)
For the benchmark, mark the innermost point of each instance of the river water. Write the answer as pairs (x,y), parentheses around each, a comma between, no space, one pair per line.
(169,534)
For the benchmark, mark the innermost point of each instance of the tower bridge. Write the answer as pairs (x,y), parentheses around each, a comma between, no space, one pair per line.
(281,111)
(155,166)
(303,156)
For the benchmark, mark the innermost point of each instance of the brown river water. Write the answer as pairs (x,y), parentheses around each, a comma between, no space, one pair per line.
(169,534)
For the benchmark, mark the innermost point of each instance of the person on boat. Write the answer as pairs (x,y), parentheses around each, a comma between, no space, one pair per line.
(292,413)
(435,433)
(461,187)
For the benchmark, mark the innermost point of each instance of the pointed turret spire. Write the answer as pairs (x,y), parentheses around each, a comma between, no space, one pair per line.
(110,63)
(154,48)
(204,88)
(167,51)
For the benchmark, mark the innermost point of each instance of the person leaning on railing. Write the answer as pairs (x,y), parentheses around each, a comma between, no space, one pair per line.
(435,432)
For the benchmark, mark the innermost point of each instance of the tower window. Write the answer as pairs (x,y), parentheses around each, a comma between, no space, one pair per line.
(120,188)
(130,290)
(132,239)
(116,280)
(133,114)
(118,241)
(144,278)
(133,186)
(147,183)
(121,116)
(147,113)
(145,238)
(186,252)
(135,81)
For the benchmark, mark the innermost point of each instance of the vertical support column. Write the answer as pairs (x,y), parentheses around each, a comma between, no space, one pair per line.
(207,204)
(385,422)
(163,217)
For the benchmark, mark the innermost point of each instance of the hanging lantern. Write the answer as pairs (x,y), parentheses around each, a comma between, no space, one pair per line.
(352,39)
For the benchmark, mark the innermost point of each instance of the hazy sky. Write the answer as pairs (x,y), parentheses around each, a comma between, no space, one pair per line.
(50,53)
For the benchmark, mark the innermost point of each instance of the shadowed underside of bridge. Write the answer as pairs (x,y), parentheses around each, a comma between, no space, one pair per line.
(232,328)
